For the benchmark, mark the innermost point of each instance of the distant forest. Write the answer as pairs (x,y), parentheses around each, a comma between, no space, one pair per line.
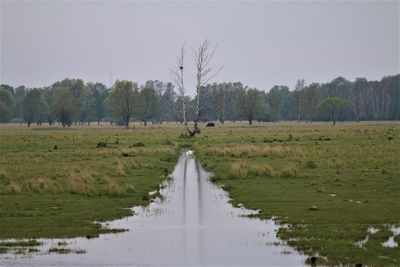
(72,101)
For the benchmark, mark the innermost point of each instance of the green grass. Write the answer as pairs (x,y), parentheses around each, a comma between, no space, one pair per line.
(53,193)
(327,184)
(21,243)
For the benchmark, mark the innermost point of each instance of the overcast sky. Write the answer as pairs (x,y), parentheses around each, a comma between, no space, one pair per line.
(260,43)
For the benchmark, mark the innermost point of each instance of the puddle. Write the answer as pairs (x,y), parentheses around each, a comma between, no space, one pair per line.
(362,242)
(391,243)
(193,224)
(372,230)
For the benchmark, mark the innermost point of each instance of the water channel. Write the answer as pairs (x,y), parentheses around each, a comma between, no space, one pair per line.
(192,224)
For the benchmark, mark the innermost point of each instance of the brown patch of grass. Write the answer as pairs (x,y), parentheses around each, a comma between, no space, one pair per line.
(238,169)
(113,188)
(249,151)
(79,182)
(121,169)
(12,188)
(39,185)
(261,170)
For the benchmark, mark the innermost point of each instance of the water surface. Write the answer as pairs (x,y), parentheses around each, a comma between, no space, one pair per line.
(193,224)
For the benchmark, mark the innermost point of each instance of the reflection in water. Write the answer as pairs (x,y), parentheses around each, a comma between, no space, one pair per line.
(194,224)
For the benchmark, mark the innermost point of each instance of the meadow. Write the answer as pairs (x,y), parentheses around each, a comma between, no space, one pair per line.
(328,186)
(61,182)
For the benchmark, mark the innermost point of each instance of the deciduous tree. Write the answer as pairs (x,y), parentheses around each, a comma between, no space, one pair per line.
(121,100)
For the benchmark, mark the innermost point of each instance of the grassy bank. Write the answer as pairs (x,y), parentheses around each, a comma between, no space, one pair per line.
(58,182)
(328,184)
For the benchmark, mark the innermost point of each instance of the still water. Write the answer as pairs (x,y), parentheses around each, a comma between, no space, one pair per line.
(193,224)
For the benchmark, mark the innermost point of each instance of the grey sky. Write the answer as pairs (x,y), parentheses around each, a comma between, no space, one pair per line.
(260,43)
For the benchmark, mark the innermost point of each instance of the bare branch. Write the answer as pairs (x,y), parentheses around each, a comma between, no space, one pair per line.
(177,77)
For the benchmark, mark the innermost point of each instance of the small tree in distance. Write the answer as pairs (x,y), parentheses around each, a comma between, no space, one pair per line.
(34,106)
(121,101)
(65,107)
(332,105)
(249,104)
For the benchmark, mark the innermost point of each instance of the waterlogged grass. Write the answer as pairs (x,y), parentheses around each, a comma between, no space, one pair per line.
(20,246)
(64,250)
(327,184)
(60,183)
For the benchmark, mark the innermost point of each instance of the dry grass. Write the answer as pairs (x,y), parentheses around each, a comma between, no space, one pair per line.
(240,169)
(12,188)
(248,151)
(120,169)
(38,185)
(113,188)
(261,170)
(79,183)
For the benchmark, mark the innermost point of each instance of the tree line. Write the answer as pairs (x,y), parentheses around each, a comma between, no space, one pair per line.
(72,101)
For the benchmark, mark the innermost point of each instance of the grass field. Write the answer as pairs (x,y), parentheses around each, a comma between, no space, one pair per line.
(328,185)
(57,183)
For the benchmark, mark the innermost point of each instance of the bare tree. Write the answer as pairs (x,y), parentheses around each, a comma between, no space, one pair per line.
(299,95)
(205,72)
(177,76)
(353,101)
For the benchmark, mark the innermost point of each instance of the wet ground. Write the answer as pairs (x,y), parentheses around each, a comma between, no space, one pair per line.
(193,224)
